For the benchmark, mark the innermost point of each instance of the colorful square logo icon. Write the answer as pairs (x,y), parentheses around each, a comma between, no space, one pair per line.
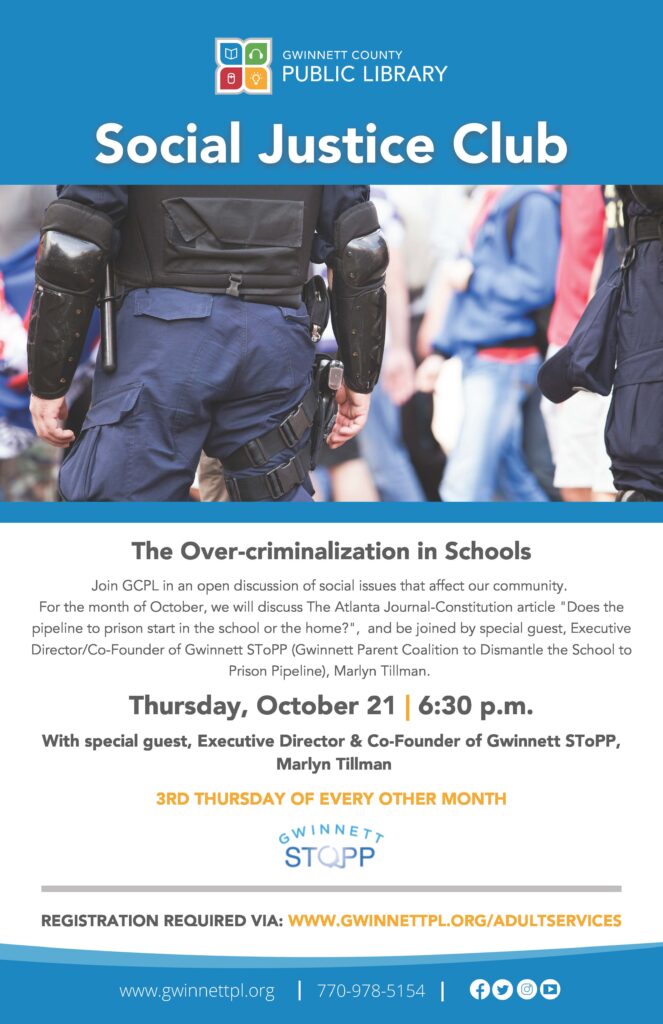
(231,53)
(257,52)
(243,65)
(230,79)
(256,79)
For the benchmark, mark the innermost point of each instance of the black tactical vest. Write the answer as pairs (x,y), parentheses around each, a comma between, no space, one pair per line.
(250,242)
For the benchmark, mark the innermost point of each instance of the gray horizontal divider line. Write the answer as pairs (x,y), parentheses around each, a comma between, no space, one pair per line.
(331,888)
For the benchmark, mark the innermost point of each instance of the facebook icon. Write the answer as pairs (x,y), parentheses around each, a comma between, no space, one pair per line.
(479,989)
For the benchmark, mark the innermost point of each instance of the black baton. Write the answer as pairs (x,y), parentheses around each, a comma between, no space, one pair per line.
(107,311)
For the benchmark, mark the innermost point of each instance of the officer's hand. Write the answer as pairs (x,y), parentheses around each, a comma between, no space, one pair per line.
(48,415)
(398,375)
(351,416)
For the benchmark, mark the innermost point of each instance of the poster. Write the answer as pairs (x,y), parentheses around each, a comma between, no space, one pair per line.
(387,750)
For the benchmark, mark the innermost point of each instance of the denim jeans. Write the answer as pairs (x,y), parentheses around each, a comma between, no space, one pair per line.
(488,459)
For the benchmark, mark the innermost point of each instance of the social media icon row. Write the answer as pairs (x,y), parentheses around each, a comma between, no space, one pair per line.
(503,989)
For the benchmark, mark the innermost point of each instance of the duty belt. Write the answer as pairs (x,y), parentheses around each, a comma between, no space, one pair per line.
(645,229)
(257,452)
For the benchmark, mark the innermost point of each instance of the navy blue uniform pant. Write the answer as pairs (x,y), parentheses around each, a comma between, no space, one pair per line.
(195,372)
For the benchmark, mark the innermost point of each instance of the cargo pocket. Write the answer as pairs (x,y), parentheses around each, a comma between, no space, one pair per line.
(174,335)
(100,465)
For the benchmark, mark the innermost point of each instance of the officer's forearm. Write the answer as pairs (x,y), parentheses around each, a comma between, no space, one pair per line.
(75,247)
(358,299)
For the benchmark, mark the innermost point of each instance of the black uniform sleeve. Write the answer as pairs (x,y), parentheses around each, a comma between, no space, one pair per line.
(111,200)
(336,199)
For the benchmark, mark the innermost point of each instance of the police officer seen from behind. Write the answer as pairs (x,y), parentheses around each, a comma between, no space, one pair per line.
(215,345)
(618,345)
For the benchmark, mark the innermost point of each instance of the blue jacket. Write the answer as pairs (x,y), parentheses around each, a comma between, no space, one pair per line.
(510,281)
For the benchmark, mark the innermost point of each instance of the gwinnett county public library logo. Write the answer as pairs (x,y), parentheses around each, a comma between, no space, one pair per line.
(243,65)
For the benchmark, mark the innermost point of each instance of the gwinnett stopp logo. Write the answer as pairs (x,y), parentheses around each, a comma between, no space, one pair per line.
(243,65)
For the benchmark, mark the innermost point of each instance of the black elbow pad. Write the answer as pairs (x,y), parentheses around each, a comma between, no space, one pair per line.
(74,250)
(358,298)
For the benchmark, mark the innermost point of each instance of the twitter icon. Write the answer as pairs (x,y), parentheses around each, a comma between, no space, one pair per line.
(502,989)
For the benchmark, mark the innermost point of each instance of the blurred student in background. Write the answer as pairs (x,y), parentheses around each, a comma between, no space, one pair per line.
(575,428)
(381,442)
(498,299)
(435,221)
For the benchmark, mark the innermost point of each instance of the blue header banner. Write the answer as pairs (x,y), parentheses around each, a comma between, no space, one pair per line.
(264,93)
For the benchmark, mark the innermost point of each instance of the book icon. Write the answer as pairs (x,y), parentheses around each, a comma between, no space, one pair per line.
(230,54)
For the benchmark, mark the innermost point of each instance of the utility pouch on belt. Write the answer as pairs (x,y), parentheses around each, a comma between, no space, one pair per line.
(316,300)
(328,376)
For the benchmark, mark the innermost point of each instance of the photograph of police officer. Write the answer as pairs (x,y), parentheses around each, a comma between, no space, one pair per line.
(174,344)
(209,324)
